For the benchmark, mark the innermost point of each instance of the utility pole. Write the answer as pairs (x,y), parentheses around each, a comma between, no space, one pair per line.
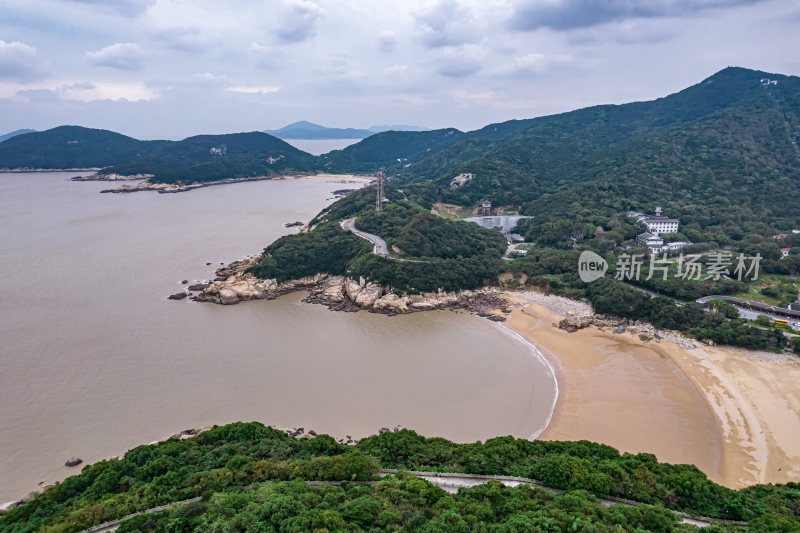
(379,197)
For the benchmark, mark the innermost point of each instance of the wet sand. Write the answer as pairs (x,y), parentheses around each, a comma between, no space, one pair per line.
(615,390)
(735,417)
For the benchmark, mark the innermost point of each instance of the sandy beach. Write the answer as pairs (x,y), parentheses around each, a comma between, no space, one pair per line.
(735,415)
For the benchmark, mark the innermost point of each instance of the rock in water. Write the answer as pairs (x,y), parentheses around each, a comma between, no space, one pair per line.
(177,296)
(74,461)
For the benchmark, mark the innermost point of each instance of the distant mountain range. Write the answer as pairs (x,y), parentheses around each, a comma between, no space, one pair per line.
(14,134)
(310,131)
(726,148)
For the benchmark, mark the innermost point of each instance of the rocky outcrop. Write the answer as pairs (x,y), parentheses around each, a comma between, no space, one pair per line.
(234,284)
(177,296)
(189,433)
(573,322)
(73,461)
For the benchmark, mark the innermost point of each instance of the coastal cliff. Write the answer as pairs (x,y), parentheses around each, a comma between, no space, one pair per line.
(235,284)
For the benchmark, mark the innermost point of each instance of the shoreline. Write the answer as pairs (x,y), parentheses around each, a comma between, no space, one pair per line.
(732,413)
(642,396)
(41,170)
(556,385)
(168,188)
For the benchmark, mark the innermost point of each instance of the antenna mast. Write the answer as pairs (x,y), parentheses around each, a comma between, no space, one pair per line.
(379,197)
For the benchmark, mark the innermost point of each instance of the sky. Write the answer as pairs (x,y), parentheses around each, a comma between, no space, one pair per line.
(168,69)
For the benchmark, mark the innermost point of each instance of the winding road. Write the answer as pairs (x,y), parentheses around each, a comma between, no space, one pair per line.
(450,482)
(380,247)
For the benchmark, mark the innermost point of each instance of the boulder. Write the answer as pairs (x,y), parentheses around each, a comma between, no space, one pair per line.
(184,282)
(573,322)
(177,296)
(198,286)
(73,461)
(228,297)
(6,507)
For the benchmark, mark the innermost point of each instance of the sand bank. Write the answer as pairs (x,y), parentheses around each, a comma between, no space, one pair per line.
(734,416)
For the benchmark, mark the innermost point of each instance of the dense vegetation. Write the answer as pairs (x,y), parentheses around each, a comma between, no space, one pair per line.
(428,253)
(72,147)
(329,249)
(404,504)
(214,157)
(223,464)
(555,270)
(387,148)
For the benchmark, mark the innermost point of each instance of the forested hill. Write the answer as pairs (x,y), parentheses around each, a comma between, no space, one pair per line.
(248,477)
(214,157)
(386,149)
(72,147)
(722,149)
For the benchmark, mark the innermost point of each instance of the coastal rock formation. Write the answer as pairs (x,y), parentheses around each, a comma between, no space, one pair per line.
(177,296)
(574,322)
(363,293)
(234,284)
(74,461)
(189,433)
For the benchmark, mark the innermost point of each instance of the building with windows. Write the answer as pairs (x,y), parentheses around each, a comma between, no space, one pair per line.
(656,224)
(653,243)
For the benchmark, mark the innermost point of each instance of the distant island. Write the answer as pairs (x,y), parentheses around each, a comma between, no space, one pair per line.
(311,131)
(14,134)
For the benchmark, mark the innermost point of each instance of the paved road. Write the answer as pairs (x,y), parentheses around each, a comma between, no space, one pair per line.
(450,482)
(748,309)
(511,248)
(453,482)
(380,245)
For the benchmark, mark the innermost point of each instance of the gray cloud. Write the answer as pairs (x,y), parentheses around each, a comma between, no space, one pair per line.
(459,62)
(122,56)
(387,41)
(126,8)
(448,23)
(183,39)
(571,14)
(297,21)
(19,62)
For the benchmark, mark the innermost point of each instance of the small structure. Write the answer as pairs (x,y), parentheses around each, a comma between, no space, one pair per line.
(653,243)
(520,253)
(785,252)
(780,236)
(486,208)
(658,224)
(379,198)
(795,306)
(677,245)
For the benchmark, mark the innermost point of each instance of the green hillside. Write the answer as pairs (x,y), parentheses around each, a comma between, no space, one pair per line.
(446,255)
(215,157)
(557,153)
(72,147)
(253,478)
(390,148)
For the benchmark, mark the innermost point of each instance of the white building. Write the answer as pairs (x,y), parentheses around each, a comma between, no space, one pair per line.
(677,245)
(656,224)
(653,243)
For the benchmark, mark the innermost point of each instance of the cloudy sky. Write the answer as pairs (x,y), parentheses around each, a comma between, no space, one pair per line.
(173,68)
